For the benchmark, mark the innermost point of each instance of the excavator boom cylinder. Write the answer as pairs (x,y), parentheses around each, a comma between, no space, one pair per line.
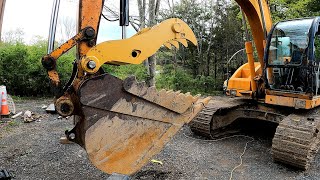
(249,51)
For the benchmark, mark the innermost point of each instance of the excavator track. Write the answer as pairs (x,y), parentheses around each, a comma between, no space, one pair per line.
(296,140)
(203,124)
(297,137)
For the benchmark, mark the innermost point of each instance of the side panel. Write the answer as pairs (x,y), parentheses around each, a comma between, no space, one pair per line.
(293,102)
(240,81)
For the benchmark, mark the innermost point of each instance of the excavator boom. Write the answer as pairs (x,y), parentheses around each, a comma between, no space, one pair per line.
(259,18)
(120,123)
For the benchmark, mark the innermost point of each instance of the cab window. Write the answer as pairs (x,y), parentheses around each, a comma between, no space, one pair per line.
(289,42)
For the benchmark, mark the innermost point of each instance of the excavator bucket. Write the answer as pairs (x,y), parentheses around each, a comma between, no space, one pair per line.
(125,123)
(122,124)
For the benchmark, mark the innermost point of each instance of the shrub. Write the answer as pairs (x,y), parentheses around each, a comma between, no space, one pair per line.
(181,79)
(22,72)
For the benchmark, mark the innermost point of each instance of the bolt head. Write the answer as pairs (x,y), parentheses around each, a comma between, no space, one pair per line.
(89,32)
(48,63)
(91,64)
(177,28)
(91,43)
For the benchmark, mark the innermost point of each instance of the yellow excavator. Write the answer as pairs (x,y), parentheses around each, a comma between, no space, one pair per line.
(120,123)
(123,123)
(282,87)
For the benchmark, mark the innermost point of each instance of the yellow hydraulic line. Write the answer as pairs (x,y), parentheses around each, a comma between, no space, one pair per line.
(249,52)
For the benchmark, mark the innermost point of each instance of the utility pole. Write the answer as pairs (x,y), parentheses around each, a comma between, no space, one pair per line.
(2,5)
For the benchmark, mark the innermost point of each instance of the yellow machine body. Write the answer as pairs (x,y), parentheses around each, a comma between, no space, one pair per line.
(240,82)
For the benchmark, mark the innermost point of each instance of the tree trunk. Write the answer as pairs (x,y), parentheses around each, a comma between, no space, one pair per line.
(142,13)
(153,10)
(215,68)
(142,19)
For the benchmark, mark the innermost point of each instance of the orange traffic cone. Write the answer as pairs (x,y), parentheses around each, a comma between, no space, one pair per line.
(0,100)
(4,105)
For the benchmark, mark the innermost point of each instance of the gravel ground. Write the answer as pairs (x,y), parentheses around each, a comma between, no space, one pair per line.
(32,151)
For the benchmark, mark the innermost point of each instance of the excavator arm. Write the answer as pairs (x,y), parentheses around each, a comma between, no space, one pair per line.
(134,52)
(121,124)
(259,18)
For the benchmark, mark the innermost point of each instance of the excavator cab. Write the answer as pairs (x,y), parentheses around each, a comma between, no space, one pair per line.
(290,55)
(292,62)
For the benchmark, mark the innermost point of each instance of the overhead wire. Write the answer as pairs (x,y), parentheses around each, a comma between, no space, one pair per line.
(106,18)
(110,11)
(116,15)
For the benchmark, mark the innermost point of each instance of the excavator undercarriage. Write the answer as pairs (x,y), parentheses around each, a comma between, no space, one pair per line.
(295,142)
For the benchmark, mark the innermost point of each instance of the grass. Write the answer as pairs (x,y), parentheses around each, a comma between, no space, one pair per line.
(13,123)
(25,98)
(7,126)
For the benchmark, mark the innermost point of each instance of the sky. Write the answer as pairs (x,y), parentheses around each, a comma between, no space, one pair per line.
(33,18)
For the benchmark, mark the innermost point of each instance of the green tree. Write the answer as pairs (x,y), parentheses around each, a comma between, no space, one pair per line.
(314,6)
(219,33)
(291,9)
(14,67)
(21,69)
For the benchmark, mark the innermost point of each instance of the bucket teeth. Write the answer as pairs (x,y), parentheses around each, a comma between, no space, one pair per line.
(174,101)
(183,42)
(168,45)
(174,43)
